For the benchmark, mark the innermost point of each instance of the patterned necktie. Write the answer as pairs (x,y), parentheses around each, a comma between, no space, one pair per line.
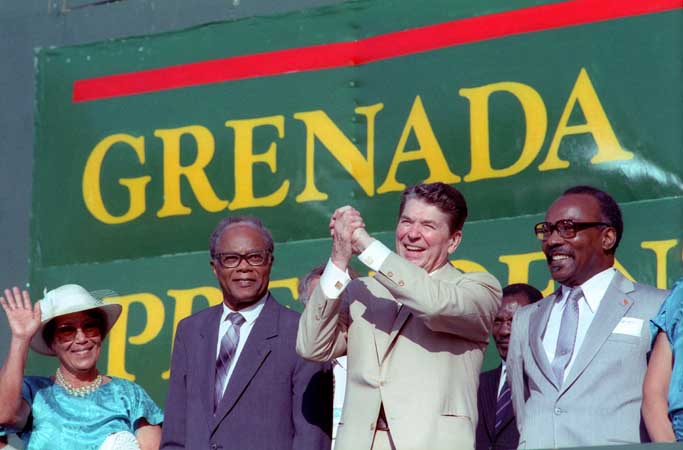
(503,405)
(228,346)
(567,335)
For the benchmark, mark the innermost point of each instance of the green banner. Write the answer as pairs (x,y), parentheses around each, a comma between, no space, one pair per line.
(144,144)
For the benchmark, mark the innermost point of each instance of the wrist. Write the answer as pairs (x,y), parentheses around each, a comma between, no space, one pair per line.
(340,261)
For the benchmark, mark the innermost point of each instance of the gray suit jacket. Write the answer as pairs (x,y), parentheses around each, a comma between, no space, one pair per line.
(274,399)
(599,401)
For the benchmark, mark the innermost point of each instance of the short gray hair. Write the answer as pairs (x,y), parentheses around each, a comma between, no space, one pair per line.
(234,220)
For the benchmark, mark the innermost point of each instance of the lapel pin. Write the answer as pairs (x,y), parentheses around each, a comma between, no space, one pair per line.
(624,301)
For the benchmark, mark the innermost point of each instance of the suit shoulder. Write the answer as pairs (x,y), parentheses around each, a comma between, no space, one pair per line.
(525,311)
(650,291)
(288,319)
(198,317)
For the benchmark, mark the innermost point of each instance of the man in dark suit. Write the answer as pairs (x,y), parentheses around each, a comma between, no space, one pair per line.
(236,380)
(496,428)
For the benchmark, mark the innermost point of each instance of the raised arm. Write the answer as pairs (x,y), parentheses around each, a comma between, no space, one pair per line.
(24,322)
(656,391)
(324,322)
(451,302)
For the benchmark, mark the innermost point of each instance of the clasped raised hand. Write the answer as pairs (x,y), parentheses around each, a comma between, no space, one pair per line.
(343,223)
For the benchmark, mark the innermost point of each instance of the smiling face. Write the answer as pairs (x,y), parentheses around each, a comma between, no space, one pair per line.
(423,236)
(77,341)
(245,284)
(575,260)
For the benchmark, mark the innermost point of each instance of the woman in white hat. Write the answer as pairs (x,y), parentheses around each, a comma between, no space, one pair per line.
(77,408)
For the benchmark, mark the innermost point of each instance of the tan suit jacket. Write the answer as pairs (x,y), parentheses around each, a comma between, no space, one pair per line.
(421,360)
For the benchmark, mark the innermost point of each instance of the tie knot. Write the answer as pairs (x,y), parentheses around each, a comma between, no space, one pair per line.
(235,318)
(575,295)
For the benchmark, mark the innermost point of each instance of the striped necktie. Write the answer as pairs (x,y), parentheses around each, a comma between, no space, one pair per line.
(503,405)
(228,346)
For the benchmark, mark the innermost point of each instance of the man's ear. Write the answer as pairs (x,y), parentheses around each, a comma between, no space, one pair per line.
(454,241)
(609,238)
(212,263)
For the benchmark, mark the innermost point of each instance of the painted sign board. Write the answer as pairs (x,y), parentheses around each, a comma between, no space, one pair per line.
(144,144)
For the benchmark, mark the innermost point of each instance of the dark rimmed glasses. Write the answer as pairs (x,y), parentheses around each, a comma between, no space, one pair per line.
(230,260)
(566,228)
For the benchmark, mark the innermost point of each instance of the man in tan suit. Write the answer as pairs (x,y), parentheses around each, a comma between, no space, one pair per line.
(414,333)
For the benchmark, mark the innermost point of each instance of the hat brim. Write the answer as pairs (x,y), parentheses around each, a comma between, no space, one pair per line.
(111,312)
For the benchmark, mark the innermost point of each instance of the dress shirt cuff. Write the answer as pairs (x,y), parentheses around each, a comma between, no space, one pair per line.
(375,255)
(333,280)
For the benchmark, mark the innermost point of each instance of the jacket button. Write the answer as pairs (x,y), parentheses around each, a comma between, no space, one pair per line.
(558,411)
(401,283)
(390,274)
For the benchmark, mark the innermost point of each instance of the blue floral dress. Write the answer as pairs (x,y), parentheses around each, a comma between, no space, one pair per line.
(61,421)
(670,321)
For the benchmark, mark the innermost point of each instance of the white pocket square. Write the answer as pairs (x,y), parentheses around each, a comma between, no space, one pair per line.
(631,326)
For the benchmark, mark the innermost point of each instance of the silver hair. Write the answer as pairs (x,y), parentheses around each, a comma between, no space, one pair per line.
(234,220)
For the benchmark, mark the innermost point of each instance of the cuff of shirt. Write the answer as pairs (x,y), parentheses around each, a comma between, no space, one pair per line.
(375,255)
(333,280)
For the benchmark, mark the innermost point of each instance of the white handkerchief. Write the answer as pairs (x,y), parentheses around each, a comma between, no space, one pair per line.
(631,326)
(121,440)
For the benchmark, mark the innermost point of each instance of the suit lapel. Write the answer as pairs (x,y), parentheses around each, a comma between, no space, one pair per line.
(444,272)
(383,313)
(537,324)
(207,358)
(400,320)
(613,307)
(255,351)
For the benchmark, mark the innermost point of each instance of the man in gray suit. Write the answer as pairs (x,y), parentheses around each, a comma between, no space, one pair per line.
(236,380)
(577,358)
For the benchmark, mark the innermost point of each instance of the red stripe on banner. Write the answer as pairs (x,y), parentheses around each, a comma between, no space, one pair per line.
(364,51)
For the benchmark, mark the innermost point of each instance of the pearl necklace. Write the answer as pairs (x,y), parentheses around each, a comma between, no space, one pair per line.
(78,391)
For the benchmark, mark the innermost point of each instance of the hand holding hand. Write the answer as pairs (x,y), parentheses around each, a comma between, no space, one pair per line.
(343,223)
(23,318)
(360,240)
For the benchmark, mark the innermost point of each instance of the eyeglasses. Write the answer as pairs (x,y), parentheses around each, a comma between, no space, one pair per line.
(566,228)
(230,260)
(67,333)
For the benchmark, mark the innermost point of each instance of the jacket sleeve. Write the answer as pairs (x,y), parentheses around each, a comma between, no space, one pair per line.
(515,365)
(463,304)
(323,327)
(312,387)
(173,430)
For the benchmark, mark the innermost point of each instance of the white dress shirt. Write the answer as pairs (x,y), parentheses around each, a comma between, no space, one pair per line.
(503,377)
(593,291)
(250,314)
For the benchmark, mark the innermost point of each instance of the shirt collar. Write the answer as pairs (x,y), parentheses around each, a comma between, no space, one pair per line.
(594,288)
(250,313)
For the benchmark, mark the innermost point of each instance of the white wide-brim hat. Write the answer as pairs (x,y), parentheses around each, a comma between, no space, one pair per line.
(68,299)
